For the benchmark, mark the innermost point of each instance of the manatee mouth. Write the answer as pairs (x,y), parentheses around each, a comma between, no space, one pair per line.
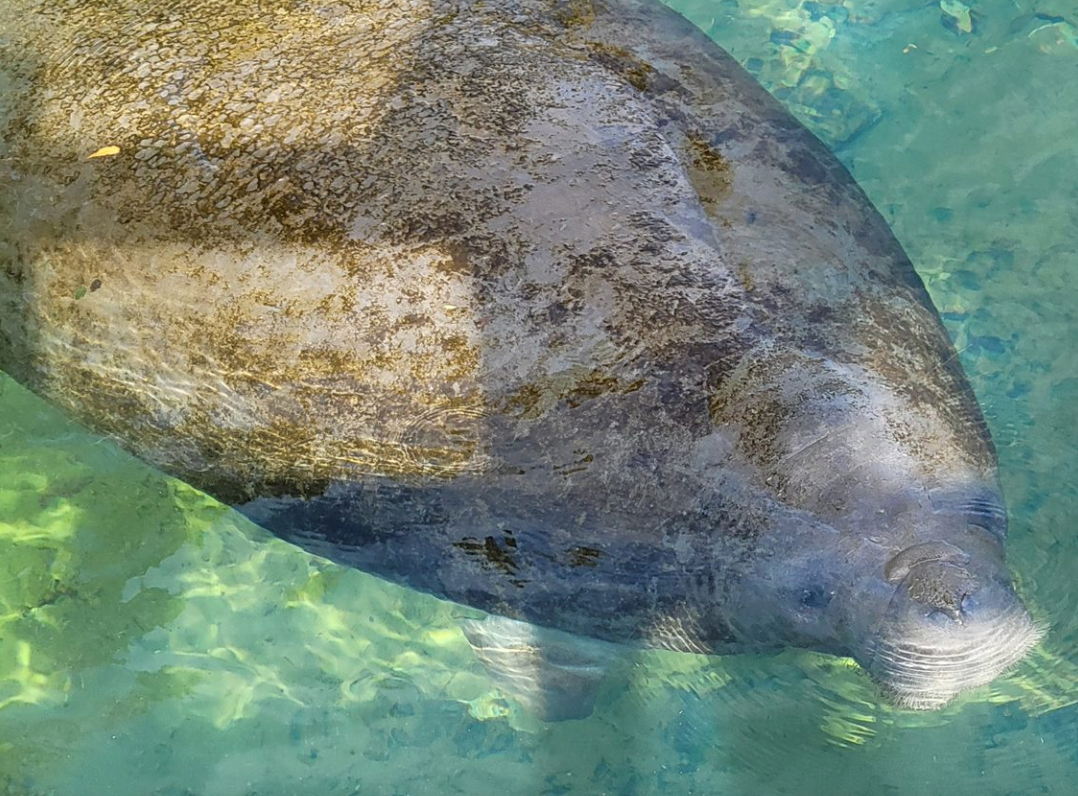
(947,631)
(927,673)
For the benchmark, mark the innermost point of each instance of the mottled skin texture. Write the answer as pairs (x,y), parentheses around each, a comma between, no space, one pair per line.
(543,307)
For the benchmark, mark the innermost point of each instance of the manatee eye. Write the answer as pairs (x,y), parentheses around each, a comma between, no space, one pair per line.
(815,597)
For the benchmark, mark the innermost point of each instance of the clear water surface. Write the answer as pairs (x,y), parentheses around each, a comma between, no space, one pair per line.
(153,642)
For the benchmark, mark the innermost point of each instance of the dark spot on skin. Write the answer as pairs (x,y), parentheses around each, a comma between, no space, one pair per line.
(491,553)
(578,465)
(583,556)
(815,597)
(414,319)
(95,285)
(556,311)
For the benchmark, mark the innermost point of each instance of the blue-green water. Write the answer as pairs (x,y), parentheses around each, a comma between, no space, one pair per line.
(153,642)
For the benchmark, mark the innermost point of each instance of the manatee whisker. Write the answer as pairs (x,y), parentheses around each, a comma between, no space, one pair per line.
(918,677)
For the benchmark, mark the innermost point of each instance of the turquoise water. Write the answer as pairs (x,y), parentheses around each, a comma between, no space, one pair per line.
(151,641)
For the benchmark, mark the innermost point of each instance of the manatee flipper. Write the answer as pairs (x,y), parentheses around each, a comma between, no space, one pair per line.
(555,675)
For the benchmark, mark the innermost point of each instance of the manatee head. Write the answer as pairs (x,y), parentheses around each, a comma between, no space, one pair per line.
(924,604)
(953,622)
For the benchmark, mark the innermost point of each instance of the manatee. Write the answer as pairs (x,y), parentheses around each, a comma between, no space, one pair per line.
(544,307)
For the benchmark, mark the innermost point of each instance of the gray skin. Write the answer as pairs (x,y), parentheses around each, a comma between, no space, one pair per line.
(545,308)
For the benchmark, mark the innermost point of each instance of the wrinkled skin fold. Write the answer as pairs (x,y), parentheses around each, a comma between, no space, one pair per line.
(543,307)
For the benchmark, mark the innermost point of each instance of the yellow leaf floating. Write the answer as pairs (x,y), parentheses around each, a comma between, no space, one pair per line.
(105,151)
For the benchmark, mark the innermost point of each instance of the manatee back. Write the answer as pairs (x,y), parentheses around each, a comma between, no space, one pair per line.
(543,262)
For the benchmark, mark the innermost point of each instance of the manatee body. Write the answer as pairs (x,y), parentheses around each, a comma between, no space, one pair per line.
(543,307)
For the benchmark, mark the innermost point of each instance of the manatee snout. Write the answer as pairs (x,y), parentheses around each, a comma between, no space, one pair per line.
(954,623)
(936,578)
